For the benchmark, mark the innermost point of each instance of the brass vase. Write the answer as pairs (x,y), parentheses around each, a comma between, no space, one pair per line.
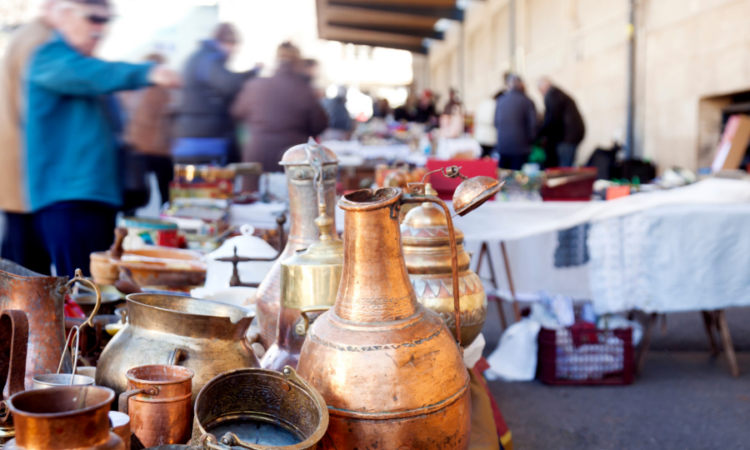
(427,250)
(388,368)
(303,209)
(309,284)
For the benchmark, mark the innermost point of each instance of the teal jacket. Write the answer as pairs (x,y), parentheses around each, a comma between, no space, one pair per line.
(71,148)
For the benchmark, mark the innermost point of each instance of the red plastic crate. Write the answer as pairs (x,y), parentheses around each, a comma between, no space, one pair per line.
(596,358)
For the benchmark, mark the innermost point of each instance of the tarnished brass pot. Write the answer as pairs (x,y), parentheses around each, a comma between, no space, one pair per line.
(164,329)
(427,252)
(388,368)
(257,406)
(62,418)
(303,209)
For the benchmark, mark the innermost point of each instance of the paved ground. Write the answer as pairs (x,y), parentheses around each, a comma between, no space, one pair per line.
(684,400)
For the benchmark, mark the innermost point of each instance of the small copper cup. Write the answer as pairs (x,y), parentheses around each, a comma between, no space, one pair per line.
(158,401)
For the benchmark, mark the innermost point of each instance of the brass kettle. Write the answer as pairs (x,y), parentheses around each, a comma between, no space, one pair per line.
(427,251)
(309,284)
(303,208)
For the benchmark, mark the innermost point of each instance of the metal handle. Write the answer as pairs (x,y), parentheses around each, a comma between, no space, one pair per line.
(79,277)
(73,352)
(408,198)
(122,401)
(301,328)
(177,355)
(14,337)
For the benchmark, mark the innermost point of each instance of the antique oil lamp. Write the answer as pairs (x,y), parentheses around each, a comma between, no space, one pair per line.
(309,284)
(388,368)
(303,209)
(425,237)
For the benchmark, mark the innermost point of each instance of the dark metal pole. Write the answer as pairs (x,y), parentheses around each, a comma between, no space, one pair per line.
(629,136)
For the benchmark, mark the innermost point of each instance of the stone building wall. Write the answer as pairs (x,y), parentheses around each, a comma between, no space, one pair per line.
(692,56)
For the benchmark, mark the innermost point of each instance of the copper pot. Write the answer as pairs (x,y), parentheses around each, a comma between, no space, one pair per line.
(303,209)
(41,298)
(388,368)
(309,284)
(244,407)
(427,251)
(158,401)
(14,336)
(61,418)
(204,336)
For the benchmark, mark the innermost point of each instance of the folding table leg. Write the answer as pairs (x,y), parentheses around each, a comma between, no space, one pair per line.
(645,342)
(482,251)
(708,322)
(726,340)
(516,309)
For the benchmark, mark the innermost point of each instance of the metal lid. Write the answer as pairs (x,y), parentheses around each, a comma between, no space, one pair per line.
(426,225)
(298,155)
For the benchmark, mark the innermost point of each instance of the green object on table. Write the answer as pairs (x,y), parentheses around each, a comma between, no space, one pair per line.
(537,154)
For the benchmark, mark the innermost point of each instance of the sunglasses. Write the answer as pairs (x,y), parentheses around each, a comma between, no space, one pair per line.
(97,19)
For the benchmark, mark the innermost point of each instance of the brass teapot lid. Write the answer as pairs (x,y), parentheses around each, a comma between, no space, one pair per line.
(326,251)
(426,226)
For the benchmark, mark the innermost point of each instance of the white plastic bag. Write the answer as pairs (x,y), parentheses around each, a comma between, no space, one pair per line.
(516,356)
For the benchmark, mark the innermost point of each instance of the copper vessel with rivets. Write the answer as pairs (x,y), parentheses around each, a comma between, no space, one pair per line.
(388,368)
(425,237)
(303,209)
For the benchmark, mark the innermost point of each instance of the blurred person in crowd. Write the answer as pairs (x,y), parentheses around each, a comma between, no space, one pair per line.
(279,112)
(340,123)
(562,128)
(426,108)
(454,104)
(408,111)
(148,129)
(380,108)
(308,69)
(71,161)
(20,243)
(204,131)
(484,118)
(515,121)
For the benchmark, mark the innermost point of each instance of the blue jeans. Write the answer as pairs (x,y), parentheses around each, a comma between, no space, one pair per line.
(566,154)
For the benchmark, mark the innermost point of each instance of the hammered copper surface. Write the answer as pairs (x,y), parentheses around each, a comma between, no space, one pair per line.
(62,418)
(303,209)
(41,298)
(158,401)
(308,280)
(427,251)
(14,336)
(388,368)
(209,335)
(263,407)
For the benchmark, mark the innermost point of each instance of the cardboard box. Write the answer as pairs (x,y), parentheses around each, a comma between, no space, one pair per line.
(733,144)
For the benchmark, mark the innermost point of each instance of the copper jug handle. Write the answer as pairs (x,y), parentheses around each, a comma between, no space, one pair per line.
(122,401)
(14,337)
(301,328)
(80,278)
(177,355)
(410,198)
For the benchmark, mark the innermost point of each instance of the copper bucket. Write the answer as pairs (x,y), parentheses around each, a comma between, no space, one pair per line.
(268,408)
(14,335)
(62,418)
(158,401)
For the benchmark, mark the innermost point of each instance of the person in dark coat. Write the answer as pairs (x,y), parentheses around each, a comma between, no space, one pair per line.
(515,121)
(563,126)
(340,124)
(204,130)
(279,112)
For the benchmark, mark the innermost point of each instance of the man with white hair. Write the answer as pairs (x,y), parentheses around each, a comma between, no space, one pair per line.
(20,243)
(71,163)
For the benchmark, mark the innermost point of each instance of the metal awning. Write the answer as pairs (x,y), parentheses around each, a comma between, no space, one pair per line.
(400,24)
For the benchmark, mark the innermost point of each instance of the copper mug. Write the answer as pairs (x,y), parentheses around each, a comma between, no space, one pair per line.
(158,401)
(63,418)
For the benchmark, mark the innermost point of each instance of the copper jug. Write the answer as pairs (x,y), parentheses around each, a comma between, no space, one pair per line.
(207,337)
(309,283)
(388,368)
(427,251)
(303,209)
(14,336)
(62,418)
(42,299)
